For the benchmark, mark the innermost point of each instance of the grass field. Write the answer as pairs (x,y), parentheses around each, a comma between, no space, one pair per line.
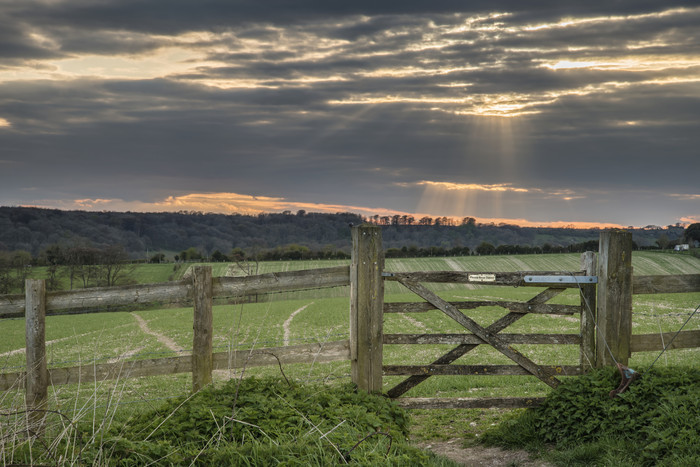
(322,316)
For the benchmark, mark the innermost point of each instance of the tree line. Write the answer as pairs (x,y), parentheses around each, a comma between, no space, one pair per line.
(145,234)
(88,265)
(82,266)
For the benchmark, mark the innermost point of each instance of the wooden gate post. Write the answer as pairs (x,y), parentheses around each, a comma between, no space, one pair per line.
(366,307)
(588,312)
(35,339)
(202,360)
(614,298)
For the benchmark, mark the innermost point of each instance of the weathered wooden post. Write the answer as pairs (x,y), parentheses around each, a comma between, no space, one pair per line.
(366,307)
(588,312)
(614,298)
(35,339)
(202,360)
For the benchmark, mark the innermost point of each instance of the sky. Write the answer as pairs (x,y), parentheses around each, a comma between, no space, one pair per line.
(552,112)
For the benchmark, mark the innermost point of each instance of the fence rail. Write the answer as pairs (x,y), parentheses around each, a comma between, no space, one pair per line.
(179,292)
(666,284)
(605,313)
(304,353)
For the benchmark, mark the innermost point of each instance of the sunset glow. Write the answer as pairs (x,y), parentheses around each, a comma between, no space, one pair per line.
(234,203)
(584,113)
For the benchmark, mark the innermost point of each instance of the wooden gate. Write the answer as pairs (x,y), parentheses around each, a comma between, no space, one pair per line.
(370,261)
(479,335)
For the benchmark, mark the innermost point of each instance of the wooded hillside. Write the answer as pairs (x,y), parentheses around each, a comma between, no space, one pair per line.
(142,234)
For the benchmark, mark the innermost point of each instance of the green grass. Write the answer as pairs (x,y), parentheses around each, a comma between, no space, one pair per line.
(242,422)
(644,263)
(322,315)
(153,273)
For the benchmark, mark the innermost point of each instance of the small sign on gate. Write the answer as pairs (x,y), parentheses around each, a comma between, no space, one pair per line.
(482,277)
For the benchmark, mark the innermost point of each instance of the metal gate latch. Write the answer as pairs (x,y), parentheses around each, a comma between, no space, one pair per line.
(561,279)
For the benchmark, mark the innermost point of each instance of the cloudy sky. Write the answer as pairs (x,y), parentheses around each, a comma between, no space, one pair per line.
(566,112)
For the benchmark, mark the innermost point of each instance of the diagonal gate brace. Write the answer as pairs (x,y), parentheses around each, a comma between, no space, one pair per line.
(452,355)
(487,336)
(463,349)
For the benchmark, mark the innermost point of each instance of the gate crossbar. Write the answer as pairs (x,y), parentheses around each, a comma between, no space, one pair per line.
(486,334)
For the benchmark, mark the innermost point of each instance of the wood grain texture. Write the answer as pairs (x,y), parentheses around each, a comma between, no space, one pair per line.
(657,341)
(37,382)
(588,296)
(614,298)
(305,353)
(366,307)
(179,292)
(480,278)
(541,372)
(203,327)
(682,283)
(476,370)
(459,339)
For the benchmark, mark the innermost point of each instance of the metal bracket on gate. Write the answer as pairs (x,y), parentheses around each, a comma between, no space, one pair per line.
(561,279)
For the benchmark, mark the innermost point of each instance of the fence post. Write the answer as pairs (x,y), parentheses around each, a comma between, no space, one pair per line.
(614,298)
(202,360)
(588,312)
(35,339)
(366,307)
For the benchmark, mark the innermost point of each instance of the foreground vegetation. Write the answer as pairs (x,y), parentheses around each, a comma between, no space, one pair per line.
(252,421)
(655,422)
(106,411)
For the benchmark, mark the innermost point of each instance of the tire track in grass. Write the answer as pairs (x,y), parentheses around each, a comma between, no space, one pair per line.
(288,322)
(55,341)
(415,322)
(163,339)
(458,267)
(126,355)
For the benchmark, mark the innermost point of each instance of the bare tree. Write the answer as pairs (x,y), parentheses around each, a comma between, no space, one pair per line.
(114,265)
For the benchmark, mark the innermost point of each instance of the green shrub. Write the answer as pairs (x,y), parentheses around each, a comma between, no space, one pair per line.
(264,422)
(656,421)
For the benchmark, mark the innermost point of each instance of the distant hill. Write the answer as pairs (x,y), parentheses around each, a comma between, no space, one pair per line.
(35,229)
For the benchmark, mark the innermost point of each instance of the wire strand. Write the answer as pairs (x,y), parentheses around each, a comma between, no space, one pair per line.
(674,336)
(595,323)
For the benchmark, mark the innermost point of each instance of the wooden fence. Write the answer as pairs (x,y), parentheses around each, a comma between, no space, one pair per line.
(605,310)
(606,285)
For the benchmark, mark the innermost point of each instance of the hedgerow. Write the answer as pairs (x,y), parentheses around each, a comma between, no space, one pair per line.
(655,422)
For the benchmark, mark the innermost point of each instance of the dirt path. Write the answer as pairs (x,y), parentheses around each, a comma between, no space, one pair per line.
(414,322)
(54,341)
(458,267)
(288,323)
(126,355)
(480,456)
(165,340)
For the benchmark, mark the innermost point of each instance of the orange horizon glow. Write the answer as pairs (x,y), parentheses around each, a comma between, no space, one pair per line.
(235,203)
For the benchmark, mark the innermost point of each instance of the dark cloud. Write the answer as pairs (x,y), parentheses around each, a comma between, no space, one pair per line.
(168,15)
(350,102)
(16,44)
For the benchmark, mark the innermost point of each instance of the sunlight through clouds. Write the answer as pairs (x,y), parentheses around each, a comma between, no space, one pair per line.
(492,110)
